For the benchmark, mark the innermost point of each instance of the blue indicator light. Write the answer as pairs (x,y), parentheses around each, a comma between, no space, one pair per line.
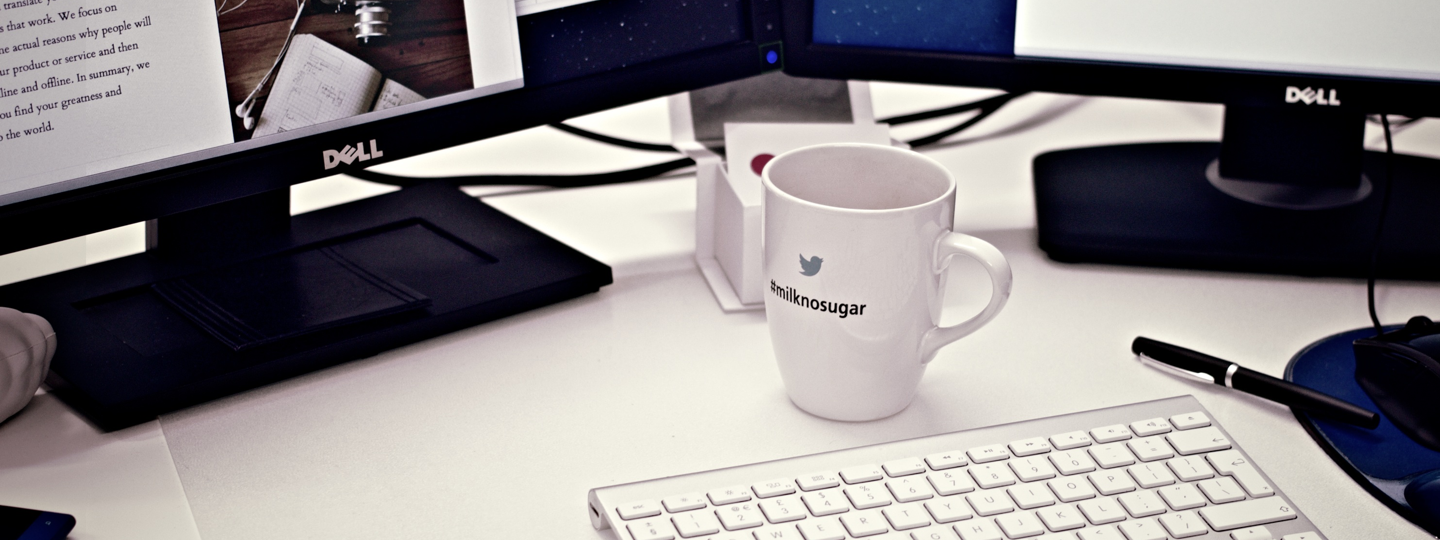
(772,57)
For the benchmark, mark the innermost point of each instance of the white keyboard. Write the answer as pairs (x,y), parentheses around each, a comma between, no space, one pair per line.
(1148,471)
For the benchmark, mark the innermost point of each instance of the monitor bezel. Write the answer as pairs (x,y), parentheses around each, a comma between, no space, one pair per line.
(233,171)
(805,58)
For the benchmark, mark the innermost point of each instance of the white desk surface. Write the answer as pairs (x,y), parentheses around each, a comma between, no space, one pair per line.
(499,430)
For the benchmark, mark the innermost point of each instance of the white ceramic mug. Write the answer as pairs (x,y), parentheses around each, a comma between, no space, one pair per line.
(857,238)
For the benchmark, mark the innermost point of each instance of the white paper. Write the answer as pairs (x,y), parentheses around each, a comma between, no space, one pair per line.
(86,88)
(393,94)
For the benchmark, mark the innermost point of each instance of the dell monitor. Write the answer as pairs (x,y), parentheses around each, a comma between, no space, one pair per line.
(196,118)
(1289,188)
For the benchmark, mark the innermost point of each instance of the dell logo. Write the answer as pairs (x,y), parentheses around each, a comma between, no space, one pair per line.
(349,154)
(1310,96)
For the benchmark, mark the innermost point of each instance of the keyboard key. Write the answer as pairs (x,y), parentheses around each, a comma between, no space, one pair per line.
(946,460)
(910,489)
(1142,529)
(1183,524)
(1199,440)
(903,517)
(864,523)
(1112,482)
(651,529)
(1032,469)
(1221,490)
(692,524)
(1258,532)
(822,529)
(816,481)
(1150,449)
(904,467)
(1072,462)
(1062,518)
(1247,513)
(1072,489)
(777,532)
(773,488)
(1190,469)
(1307,535)
(681,503)
(1153,426)
(1020,525)
(1070,440)
(1109,434)
(1106,532)
(951,482)
(1030,447)
(725,535)
(783,509)
(1190,420)
(989,503)
(739,516)
(979,529)
(1030,496)
(935,532)
(948,509)
(1103,510)
(730,495)
(1181,496)
(1231,463)
(987,454)
(1057,536)
(1112,455)
(825,502)
(866,496)
(992,475)
(639,509)
(1151,475)
(1142,503)
(861,474)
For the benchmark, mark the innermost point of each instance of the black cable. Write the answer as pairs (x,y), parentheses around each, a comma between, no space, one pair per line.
(626,143)
(993,101)
(986,107)
(552,180)
(1379,228)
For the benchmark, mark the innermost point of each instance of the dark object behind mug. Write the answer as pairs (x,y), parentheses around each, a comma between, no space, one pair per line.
(1397,470)
(1398,369)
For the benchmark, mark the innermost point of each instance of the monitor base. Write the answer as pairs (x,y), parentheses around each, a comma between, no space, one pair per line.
(159,331)
(1152,205)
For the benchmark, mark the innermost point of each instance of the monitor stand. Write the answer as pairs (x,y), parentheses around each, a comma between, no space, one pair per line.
(1198,205)
(239,295)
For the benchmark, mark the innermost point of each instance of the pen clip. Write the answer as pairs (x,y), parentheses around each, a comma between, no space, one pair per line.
(1202,377)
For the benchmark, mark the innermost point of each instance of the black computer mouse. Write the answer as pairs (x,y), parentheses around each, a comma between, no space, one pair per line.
(1400,372)
(1423,495)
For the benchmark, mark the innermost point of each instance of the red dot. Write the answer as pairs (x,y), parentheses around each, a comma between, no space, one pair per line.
(758,164)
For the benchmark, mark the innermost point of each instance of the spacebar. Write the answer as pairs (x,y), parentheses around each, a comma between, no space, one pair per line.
(1247,513)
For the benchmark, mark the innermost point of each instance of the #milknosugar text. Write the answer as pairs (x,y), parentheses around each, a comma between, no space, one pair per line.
(789,294)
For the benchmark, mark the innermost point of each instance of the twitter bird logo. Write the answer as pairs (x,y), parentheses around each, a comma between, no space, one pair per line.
(810,267)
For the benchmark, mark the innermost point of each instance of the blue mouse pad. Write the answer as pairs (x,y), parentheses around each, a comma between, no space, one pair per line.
(1382,460)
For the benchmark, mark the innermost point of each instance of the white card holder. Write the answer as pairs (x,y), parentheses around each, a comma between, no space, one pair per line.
(727,209)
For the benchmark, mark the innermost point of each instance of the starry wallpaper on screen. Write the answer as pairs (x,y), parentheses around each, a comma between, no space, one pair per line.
(968,26)
(611,34)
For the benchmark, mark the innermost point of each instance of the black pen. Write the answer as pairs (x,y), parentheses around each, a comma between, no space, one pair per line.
(1230,374)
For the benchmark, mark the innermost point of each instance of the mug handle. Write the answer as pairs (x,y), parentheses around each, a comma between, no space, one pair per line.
(949,245)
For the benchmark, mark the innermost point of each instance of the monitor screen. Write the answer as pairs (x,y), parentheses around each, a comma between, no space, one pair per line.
(1328,37)
(93,94)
